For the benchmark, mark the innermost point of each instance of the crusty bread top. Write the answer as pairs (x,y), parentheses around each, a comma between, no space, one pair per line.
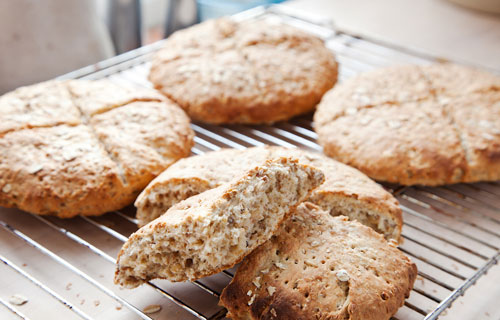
(410,143)
(476,118)
(85,147)
(401,124)
(456,80)
(215,229)
(223,71)
(321,267)
(214,168)
(381,86)
(93,97)
(46,104)
(51,170)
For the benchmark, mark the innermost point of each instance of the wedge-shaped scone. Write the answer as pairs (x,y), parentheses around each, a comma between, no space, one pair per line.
(216,229)
(345,190)
(321,267)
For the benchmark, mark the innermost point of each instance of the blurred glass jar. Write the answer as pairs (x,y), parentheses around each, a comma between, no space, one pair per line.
(210,9)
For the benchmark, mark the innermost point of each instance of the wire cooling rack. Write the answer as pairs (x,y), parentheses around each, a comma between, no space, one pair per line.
(64,268)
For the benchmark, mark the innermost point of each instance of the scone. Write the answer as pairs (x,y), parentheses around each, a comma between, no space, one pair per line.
(223,71)
(430,125)
(321,267)
(345,191)
(85,147)
(214,230)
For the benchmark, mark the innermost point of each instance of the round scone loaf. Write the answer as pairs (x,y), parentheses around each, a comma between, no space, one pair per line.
(345,191)
(223,71)
(85,147)
(430,125)
(321,267)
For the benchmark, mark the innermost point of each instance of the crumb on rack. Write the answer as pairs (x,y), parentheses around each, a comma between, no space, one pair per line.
(152,308)
(18,299)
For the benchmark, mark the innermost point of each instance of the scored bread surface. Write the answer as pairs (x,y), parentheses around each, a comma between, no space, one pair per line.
(214,230)
(430,125)
(85,147)
(321,267)
(345,190)
(223,71)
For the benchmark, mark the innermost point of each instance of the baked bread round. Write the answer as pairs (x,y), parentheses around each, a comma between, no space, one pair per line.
(223,71)
(216,229)
(430,125)
(345,191)
(321,267)
(85,147)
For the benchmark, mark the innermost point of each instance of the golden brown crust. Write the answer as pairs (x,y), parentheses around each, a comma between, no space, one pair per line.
(477,119)
(343,184)
(391,85)
(43,105)
(65,154)
(321,267)
(222,71)
(410,143)
(143,153)
(98,96)
(456,80)
(60,170)
(412,138)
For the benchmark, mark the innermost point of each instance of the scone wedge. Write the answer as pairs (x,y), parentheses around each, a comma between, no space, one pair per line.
(321,267)
(216,229)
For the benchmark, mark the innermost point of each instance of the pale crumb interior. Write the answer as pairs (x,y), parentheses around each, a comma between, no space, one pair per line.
(383,224)
(163,197)
(222,236)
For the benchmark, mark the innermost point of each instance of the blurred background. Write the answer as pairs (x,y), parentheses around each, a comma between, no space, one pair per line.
(43,39)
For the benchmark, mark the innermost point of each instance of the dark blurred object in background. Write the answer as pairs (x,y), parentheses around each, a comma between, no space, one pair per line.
(184,13)
(124,19)
(136,22)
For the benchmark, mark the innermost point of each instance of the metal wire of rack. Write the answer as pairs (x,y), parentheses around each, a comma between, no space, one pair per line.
(452,233)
